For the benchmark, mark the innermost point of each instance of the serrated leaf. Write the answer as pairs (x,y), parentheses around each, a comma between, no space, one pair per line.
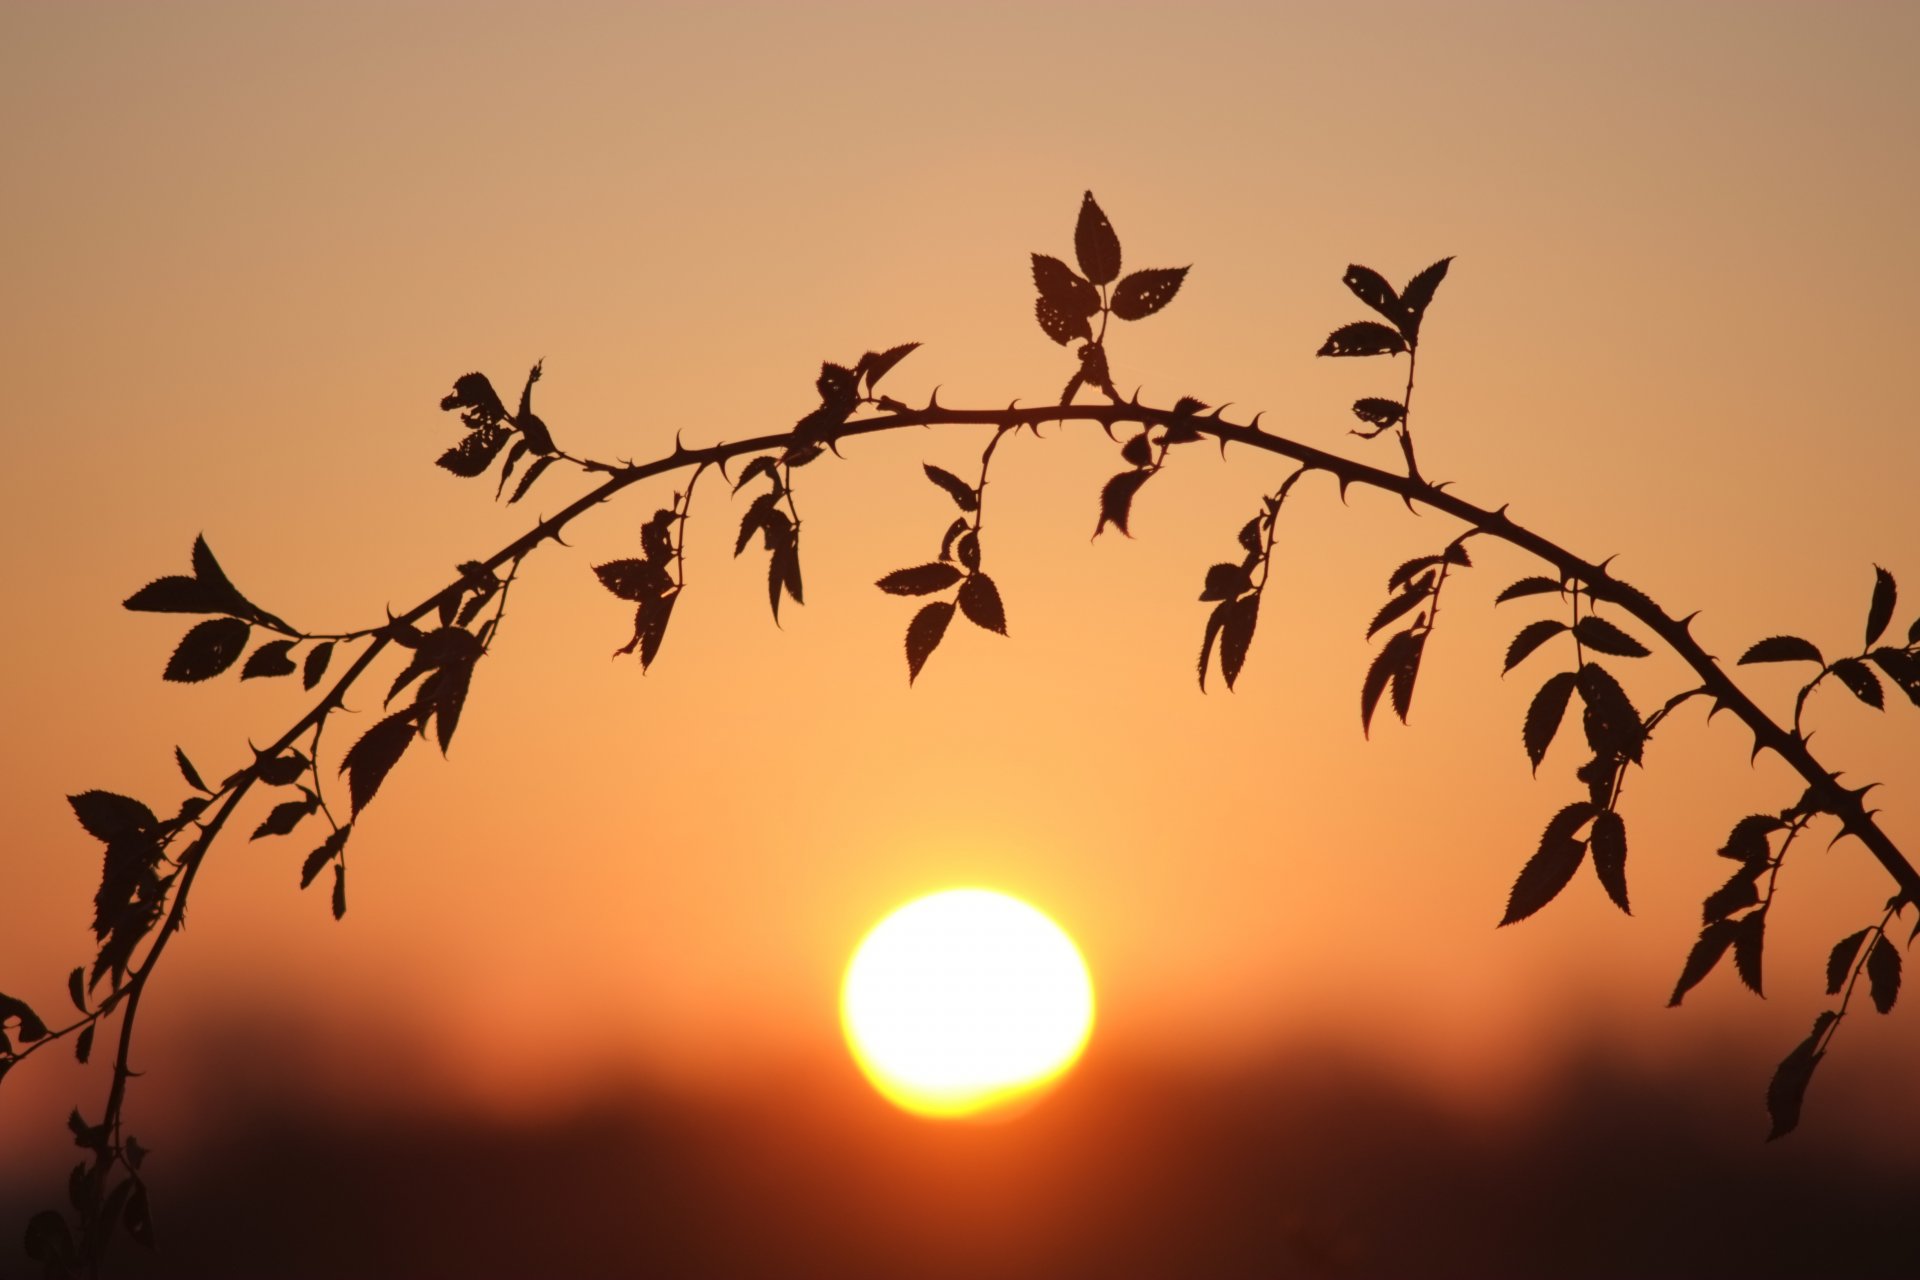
(1363,338)
(839,386)
(634,580)
(1880,612)
(178,594)
(1371,288)
(187,771)
(1418,296)
(959,490)
(1859,678)
(764,465)
(1249,536)
(1747,842)
(475,391)
(656,536)
(475,452)
(1738,893)
(1236,635)
(921,580)
(1225,582)
(1788,1088)
(1137,451)
(924,633)
(1749,942)
(1531,637)
(270,659)
(1609,840)
(370,759)
(967,549)
(1145,292)
(1531,586)
(1552,866)
(1116,500)
(650,627)
(1883,974)
(1712,944)
(514,455)
(1095,244)
(339,890)
(1404,573)
(1399,606)
(207,650)
(954,530)
(329,850)
(1612,725)
(281,770)
(1215,621)
(285,817)
(107,816)
(315,666)
(1383,671)
(1903,668)
(527,478)
(77,987)
(1062,289)
(83,1046)
(1598,634)
(1544,714)
(980,601)
(1782,649)
(1381,413)
(1063,327)
(1840,960)
(876,367)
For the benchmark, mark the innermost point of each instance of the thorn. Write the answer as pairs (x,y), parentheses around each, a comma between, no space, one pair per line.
(678,448)
(1136,397)
(833,447)
(1218,410)
(722,464)
(1254,426)
(1344,482)
(933,402)
(1223,446)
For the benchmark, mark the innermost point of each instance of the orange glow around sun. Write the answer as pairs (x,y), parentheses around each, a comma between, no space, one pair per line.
(964,1002)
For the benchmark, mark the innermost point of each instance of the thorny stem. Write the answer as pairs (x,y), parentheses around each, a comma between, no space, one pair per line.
(1406,417)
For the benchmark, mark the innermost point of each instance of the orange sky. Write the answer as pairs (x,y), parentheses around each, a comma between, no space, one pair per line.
(248,248)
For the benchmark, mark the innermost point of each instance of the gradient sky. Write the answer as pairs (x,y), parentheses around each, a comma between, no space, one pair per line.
(248,247)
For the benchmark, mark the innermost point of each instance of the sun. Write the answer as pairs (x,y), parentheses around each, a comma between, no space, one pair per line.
(965,1001)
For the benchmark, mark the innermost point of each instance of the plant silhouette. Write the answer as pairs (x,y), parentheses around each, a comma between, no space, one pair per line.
(150,862)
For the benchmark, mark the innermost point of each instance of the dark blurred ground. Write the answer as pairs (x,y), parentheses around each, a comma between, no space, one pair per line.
(1324,1168)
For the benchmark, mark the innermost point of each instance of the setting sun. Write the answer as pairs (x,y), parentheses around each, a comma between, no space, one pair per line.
(964,1001)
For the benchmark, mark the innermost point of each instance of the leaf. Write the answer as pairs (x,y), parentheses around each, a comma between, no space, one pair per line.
(1613,726)
(980,601)
(923,635)
(1859,677)
(968,550)
(83,1046)
(1062,327)
(764,465)
(370,759)
(1145,292)
(1236,635)
(1418,295)
(954,530)
(1371,288)
(1788,1088)
(1737,894)
(1552,865)
(921,580)
(475,452)
(786,564)
(650,627)
(959,490)
(838,385)
(1095,244)
(1381,413)
(315,666)
(1225,582)
(1903,668)
(1393,656)
(1880,612)
(1363,338)
(656,536)
(1747,842)
(527,478)
(876,367)
(635,580)
(1602,636)
(1531,637)
(281,770)
(285,817)
(1782,649)
(339,890)
(514,455)
(49,1240)
(178,594)
(270,659)
(1883,974)
(1544,714)
(137,1217)
(329,850)
(1407,569)
(1840,960)
(1609,838)
(1401,604)
(1749,941)
(77,987)
(1532,586)
(1215,621)
(1116,500)
(109,817)
(1137,451)
(474,391)
(31,1026)
(1712,944)
(1062,290)
(207,650)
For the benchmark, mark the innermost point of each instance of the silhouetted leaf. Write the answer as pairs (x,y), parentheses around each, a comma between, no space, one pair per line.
(924,633)
(875,367)
(1137,452)
(1095,244)
(1402,604)
(1145,292)
(1418,295)
(1249,537)
(339,890)
(656,536)
(77,987)
(1609,840)
(370,759)
(1362,338)
(207,650)
(1859,678)
(1788,1088)
(1226,581)
(281,770)
(1880,612)
(954,530)
(1747,842)
(137,1217)
(1369,286)
(1531,637)
(785,568)
(1883,974)
(839,386)
(980,601)
(475,452)
(1215,621)
(1552,865)
(1404,573)
(83,1046)
(650,627)
(1903,668)
(1613,726)
(1782,649)
(921,580)
(514,455)
(764,465)
(473,391)
(1749,942)
(1063,328)
(1737,894)
(1400,648)
(1063,290)
(329,849)
(177,594)
(315,666)
(31,1026)
(49,1241)
(1093,368)
(108,816)
(1713,943)
(285,817)
(1533,586)
(968,550)
(1116,500)
(1840,960)
(270,659)
(635,580)
(1381,413)
(1236,635)
(959,490)
(1603,637)
(1544,714)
